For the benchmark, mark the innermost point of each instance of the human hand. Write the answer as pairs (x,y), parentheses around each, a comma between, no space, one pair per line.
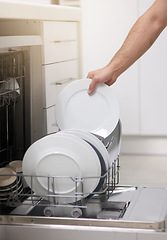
(103,75)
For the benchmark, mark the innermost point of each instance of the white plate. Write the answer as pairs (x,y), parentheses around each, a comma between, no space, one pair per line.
(97,113)
(114,147)
(67,157)
(91,139)
(98,147)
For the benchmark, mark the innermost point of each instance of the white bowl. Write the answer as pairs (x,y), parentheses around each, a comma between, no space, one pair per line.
(7,177)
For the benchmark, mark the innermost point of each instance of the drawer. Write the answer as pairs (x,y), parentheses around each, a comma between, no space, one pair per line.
(59,41)
(56,76)
(53,30)
(51,125)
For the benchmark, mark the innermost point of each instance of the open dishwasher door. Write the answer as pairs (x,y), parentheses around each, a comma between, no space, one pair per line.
(145,214)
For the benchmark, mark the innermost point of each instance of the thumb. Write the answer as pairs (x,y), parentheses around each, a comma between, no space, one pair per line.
(92,86)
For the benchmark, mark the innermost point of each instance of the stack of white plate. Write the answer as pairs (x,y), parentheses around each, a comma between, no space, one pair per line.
(10,184)
(73,163)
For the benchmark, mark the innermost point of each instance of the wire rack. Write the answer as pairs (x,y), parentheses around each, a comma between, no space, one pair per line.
(11,77)
(52,198)
(12,71)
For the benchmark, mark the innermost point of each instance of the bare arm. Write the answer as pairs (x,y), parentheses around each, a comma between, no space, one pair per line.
(140,38)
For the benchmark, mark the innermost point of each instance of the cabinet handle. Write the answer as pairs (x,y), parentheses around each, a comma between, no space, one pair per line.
(64,81)
(63,41)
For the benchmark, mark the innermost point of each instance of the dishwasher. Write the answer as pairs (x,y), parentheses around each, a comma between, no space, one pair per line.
(113,208)
(28,214)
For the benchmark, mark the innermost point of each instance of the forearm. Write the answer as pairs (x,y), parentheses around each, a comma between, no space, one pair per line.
(139,40)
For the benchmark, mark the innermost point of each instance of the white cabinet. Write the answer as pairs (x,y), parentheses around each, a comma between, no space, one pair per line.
(153,84)
(60,63)
(60,41)
(56,75)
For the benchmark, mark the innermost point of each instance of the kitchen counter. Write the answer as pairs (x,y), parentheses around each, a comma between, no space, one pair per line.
(34,11)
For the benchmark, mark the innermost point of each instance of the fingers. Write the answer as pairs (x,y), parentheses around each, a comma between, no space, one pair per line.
(103,75)
(90,75)
(93,82)
(92,86)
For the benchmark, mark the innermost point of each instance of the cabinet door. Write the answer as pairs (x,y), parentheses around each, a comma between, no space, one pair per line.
(105,27)
(55,75)
(51,125)
(60,41)
(153,80)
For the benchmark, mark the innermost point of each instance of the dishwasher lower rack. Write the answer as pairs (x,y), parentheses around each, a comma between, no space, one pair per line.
(25,197)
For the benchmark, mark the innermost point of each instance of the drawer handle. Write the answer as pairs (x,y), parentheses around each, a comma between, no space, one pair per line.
(64,81)
(64,41)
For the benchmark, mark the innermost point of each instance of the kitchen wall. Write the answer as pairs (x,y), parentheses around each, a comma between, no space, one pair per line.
(142,98)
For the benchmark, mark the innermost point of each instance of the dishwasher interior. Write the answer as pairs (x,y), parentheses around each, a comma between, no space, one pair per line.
(112,205)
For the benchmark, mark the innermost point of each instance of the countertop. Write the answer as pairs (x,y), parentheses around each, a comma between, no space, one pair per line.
(34,11)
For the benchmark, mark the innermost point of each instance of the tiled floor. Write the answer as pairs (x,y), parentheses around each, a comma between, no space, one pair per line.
(143,170)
